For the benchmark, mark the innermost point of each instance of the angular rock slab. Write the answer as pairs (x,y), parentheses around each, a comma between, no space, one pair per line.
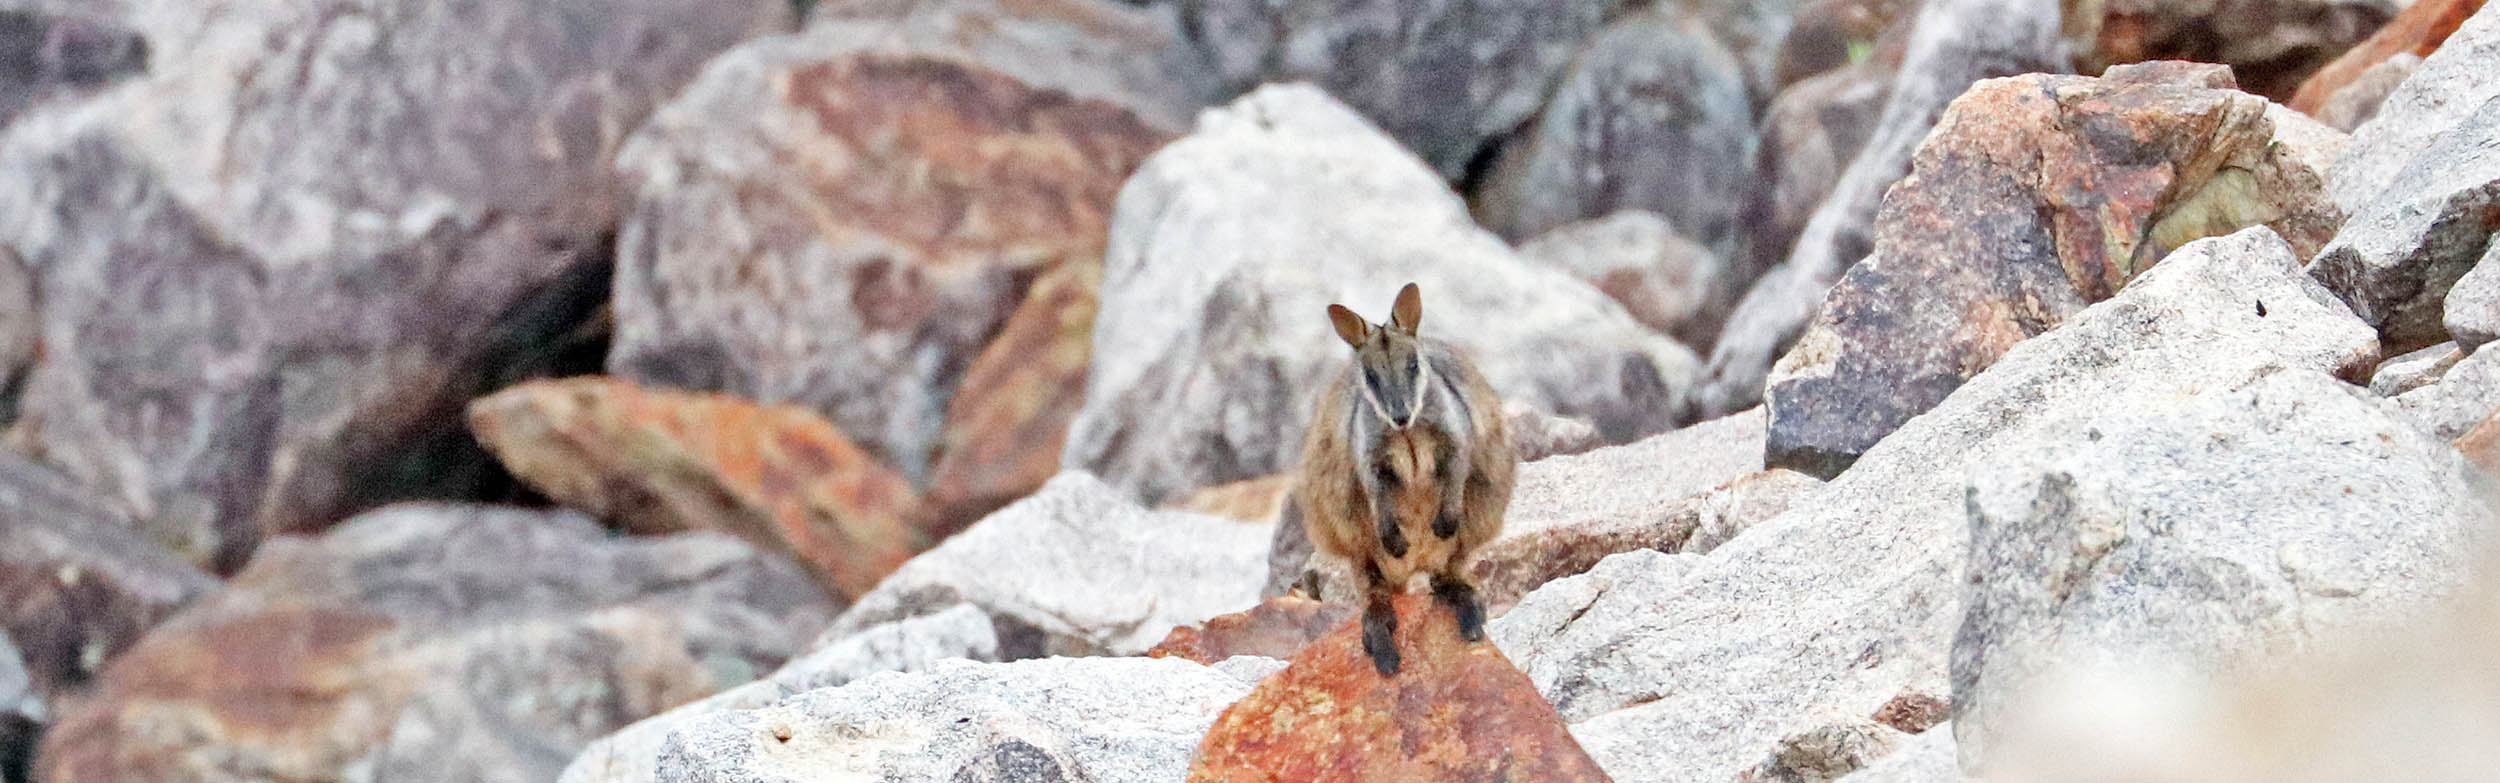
(2273,46)
(1059,719)
(844,217)
(658,461)
(1952,44)
(1278,627)
(1454,712)
(2284,509)
(2463,395)
(2035,196)
(1077,569)
(1850,602)
(434,642)
(1228,246)
(2414,33)
(1008,420)
(1670,283)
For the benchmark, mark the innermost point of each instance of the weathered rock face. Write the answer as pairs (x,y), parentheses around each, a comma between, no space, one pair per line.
(2251,542)
(2414,370)
(1454,711)
(2481,445)
(2271,45)
(77,587)
(1006,423)
(1077,569)
(1522,561)
(45,55)
(20,330)
(2035,196)
(1667,282)
(1928,757)
(632,754)
(1850,601)
(2422,183)
(1830,35)
(1065,719)
(1809,135)
(2413,34)
(1952,44)
(1653,116)
(434,642)
(1212,341)
(2357,102)
(271,269)
(2471,311)
(1278,627)
(1441,77)
(913,181)
(2465,393)
(664,462)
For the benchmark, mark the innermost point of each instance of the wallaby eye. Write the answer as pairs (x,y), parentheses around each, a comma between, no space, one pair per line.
(1414,368)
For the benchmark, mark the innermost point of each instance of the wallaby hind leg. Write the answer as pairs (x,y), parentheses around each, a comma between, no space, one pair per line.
(1380,622)
(1462,599)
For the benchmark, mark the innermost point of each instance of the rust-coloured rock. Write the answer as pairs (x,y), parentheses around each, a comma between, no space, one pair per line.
(652,461)
(1454,712)
(2271,44)
(1279,627)
(2418,30)
(1006,423)
(2482,444)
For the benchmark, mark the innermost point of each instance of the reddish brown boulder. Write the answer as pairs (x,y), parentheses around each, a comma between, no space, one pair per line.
(1278,627)
(2272,45)
(2417,30)
(1006,423)
(1454,712)
(654,462)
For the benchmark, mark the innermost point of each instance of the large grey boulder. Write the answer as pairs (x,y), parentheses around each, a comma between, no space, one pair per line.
(1077,569)
(1953,44)
(272,268)
(1826,614)
(2422,184)
(844,217)
(1443,77)
(2284,509)
(1056,719)
(1228,245)
(436,642)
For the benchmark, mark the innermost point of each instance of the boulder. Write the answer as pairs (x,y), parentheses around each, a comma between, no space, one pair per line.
(1654,116)
(1923,758)
(1077,569)
(2286,508)
(656,461)
(632,754)
(82,587)
(1831,35)
(1008,419)
(2411,35)
(1809,135)
(1848,603)
(1278,627)
(1131,54)
(45,55)
(1068,719)
(2481,445)
(2271,45)
(1756,33)
(2465,393)
(1442,77)
(434,641)
(1258,500)
(1667,282)
(1212,342)
(2358,101)
(2471,311)
(879,163)
(1952,43)
(2414,370)
(272,268)
(1454,711)
(2035,196)
(2454,81)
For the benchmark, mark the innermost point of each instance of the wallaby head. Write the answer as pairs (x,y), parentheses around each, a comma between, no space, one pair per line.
(1392,365)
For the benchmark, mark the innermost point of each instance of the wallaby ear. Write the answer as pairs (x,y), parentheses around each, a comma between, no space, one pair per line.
(1408,313)
(1349,326)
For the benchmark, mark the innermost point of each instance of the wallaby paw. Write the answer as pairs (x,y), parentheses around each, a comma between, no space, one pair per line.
(1445,525)
(1392,540)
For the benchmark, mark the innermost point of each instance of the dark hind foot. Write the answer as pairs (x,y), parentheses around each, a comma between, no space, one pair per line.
(1462,599)
(1445,525)
(1380,626)
(1392,540)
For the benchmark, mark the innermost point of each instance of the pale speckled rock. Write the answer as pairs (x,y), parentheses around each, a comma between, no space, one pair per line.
(50,56)
(2464,394)
(1810,133)
(2451,84)
(2472,309)
(1953,43)
(2414,370)
(2357,102)
(1850,601)
(2282,510)
(1926,757)
(1056,719)
(437,642)
(1442,77)
(632,754)
(20,330)
(1078,569)
(1229,244)
(1654,116)
(1827,752)
(1666,281)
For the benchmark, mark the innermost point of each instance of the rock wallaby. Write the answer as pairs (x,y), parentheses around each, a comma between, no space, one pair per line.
(1406,469)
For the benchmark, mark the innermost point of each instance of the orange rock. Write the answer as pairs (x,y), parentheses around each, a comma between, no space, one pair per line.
(1006,423)
(1249,500)
(2482,444)
(2419,29)
(1454,712)
(1279,627)
(652,461)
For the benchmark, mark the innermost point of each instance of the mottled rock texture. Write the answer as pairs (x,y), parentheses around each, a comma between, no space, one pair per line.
(2272,45)
(2414,33)
(1668,282)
